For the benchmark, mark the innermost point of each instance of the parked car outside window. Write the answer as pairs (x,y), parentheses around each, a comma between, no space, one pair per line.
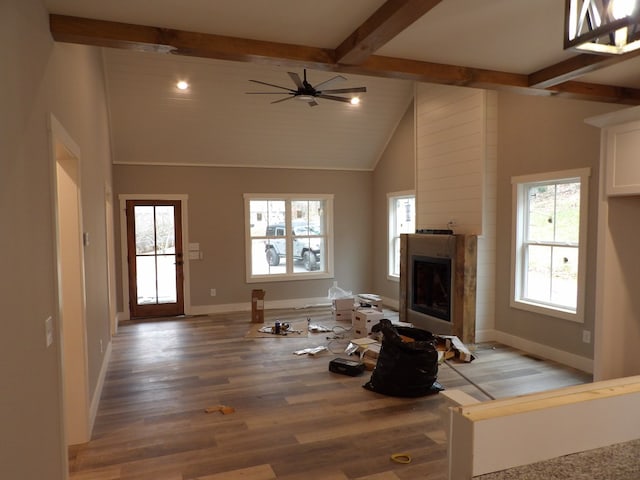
(306,247)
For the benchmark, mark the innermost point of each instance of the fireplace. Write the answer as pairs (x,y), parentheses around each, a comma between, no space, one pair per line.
(438,283)
(431,286)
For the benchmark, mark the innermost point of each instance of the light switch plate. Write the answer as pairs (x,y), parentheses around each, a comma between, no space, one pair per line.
(48,328)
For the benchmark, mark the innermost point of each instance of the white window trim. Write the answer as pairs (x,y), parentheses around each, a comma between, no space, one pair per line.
(286,277)
(391,197)
(581,174)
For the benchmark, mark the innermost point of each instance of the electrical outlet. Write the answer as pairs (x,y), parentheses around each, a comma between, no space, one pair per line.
(586,336)
(213,292)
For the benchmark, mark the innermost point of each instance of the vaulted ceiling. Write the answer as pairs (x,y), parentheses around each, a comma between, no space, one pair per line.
(218,46)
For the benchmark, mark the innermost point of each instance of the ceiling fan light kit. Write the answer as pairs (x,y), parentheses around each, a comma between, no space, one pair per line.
(306,92)
(608,27)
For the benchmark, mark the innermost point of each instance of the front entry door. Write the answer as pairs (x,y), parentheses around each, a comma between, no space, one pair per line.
(154,243)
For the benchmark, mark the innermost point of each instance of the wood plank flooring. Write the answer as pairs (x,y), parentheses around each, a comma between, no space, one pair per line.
(293,418)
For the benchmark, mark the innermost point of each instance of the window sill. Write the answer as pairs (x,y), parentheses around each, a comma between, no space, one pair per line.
(569,315)
(288,277)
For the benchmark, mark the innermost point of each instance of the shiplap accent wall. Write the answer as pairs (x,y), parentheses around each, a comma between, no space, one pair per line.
(456,171)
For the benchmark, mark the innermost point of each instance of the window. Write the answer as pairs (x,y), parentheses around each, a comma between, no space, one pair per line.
(550,214)
(402,219)
(288,237)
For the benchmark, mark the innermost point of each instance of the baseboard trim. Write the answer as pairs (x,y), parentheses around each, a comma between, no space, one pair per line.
(569,359)
(391,303)
(246,307)
(297,303)
(97,393)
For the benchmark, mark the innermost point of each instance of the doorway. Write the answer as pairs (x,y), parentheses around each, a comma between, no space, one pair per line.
(155,258)
(70,285)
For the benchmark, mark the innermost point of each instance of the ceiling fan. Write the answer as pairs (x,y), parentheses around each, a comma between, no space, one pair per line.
(308,93)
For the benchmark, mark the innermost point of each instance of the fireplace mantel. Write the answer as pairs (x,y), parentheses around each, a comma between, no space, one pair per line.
(462,249)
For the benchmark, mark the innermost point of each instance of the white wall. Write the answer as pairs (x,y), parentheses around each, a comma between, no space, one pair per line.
(456,165)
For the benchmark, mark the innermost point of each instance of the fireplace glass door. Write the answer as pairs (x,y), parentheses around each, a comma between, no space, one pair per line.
(432,286)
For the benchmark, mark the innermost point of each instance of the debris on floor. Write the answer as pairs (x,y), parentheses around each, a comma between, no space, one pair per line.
(313,328)
(224,409)
(279,328)
(401,458)
(367,348)
(450,346)
(311,350)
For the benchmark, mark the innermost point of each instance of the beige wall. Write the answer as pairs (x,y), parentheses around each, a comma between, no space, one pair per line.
(542,135)
(216,222)
(395,172)
(40,78)
(77,99)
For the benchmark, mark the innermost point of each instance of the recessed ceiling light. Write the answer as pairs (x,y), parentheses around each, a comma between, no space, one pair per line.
(355,100)
(182,85)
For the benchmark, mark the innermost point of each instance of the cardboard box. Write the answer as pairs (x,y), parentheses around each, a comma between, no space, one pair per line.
(341,315)
(369,300)
(342,304)
(257,306)
(364,319)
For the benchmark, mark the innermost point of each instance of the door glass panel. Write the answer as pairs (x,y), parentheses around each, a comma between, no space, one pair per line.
(145,275)
(165,230)
(145,237)
(166,278)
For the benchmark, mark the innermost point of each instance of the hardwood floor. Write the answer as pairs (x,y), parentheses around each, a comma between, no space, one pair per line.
(293,418)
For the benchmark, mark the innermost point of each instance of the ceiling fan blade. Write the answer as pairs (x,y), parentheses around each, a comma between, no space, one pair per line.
(296,79)
(283,99)
(272,85)
(332,97)
(267,93)
(329,82)
(346,90)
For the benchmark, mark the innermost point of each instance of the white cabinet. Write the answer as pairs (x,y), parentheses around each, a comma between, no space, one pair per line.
(622,152)
(617,272)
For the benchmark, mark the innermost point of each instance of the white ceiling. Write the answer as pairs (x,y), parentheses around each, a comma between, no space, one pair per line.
(216,123)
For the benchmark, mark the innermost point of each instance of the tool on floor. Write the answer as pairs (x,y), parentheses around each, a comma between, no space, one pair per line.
(401,458)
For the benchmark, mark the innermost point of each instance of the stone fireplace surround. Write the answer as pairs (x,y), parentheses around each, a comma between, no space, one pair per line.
(462,249)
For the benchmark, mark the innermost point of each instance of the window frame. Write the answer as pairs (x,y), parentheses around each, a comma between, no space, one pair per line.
(520,184)
(392,197)
(289,275)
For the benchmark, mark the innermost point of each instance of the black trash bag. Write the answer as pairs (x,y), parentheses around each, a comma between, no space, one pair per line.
(405,369)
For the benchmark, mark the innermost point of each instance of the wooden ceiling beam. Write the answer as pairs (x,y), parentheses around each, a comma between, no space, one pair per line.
(598,93)
(144,38)
(179,42)
(388,21)
(575,67)
(100,33)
